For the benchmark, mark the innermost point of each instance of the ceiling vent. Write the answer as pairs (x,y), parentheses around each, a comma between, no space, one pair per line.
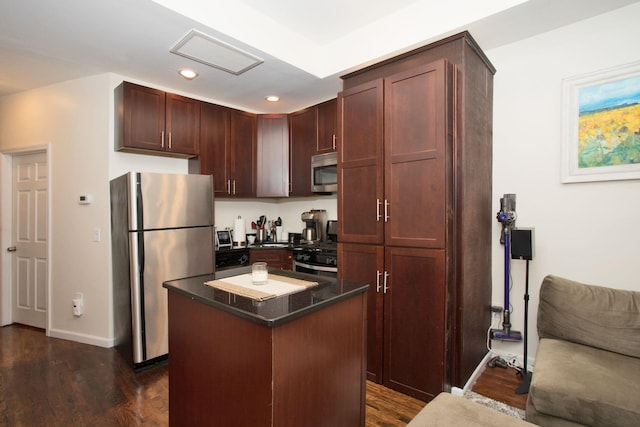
(215,53)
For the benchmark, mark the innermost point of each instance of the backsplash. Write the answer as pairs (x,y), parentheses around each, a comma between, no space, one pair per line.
(226,210)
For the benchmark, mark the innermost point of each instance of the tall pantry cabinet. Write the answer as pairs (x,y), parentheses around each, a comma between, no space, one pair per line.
(415,211)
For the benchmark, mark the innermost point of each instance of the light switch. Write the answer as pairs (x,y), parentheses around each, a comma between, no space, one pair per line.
(96,234)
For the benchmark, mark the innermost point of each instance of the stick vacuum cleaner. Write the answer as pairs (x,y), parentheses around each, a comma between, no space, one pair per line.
(507,217)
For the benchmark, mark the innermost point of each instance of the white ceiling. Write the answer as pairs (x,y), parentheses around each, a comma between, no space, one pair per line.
(305,45)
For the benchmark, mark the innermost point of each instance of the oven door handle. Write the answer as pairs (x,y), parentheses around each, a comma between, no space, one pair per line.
(315,267)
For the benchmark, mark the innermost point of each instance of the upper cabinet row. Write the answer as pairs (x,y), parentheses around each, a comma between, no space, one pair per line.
(249,155)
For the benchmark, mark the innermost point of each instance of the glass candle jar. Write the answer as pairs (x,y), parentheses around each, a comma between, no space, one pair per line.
(259,273)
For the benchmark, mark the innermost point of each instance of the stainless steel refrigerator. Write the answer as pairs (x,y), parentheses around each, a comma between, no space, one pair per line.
(162,228)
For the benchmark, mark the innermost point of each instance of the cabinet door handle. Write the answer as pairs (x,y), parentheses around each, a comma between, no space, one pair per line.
(378,286)
(334,141)
(385,288)
(378,216)
(228,186)
(169,140)
(162,139)
(386,210)
(234,187)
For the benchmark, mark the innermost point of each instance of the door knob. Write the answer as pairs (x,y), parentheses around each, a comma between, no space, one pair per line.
(12,249)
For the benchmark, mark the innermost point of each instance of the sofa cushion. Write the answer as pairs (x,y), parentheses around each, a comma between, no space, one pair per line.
(447,410)
(540,419)
(586,385)
(593,315)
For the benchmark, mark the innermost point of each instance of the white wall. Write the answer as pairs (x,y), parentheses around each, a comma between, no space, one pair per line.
(73,118)
(76,119)
(588,231)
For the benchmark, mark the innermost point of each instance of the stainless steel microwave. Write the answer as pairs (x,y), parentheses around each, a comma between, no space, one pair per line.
(324,173)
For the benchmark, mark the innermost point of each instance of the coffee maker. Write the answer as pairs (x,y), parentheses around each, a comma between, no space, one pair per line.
(316,224)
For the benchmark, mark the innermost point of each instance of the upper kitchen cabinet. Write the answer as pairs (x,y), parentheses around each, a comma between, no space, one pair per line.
(243,154)
(327,120)
(312,131)
(302,142)
(215,140)
(151,121)
(273,156)
(227,150)
(361,164)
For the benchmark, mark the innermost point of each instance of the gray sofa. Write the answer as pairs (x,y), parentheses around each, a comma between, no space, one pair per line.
(447,410)
(587,367)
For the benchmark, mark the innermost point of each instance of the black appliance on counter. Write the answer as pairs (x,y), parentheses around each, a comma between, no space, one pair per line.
(319,258)
(229,258)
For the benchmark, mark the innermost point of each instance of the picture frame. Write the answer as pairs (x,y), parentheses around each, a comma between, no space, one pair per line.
(601,125)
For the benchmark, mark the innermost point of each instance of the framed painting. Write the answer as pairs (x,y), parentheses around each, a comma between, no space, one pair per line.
(601,125)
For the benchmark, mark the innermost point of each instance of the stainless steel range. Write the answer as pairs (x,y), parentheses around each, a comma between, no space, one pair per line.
(320,258)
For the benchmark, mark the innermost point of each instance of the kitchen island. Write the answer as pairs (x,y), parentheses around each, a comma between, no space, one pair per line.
(292,360)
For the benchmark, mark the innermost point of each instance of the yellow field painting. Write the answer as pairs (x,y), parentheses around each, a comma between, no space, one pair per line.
(609,137)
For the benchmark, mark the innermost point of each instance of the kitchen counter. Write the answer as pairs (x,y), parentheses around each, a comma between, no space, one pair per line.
(293,360)
(272,312)
(272,245)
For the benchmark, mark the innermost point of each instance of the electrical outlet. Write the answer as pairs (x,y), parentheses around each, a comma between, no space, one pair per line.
(78,304)
(496,309)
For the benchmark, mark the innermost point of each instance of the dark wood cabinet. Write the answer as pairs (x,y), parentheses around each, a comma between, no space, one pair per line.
(312,131)
(276,258)
(366,263)
(227,150)
(272,178)
(361,164)
(182,124)
(414,153)
(155,122)
(302,141)
(214,147)
(242,182)
(141,117)
(414,326)
(327,126)
(227,370)
(417,148)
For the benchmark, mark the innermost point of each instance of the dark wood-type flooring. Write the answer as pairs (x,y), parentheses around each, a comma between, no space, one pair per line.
(500,384)
(53,382)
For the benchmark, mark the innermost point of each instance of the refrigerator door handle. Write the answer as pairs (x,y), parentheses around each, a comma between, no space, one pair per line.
(137,297)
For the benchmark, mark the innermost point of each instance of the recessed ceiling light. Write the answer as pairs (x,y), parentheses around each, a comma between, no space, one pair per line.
(272,98)
(188,74)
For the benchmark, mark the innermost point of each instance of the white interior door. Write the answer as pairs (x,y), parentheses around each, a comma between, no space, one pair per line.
(29,236)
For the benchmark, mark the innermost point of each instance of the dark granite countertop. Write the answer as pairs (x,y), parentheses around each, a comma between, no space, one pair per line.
(272,312)
(271,245)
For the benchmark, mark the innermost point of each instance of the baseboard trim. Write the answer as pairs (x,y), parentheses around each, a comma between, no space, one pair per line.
(476,373)
(81,338)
